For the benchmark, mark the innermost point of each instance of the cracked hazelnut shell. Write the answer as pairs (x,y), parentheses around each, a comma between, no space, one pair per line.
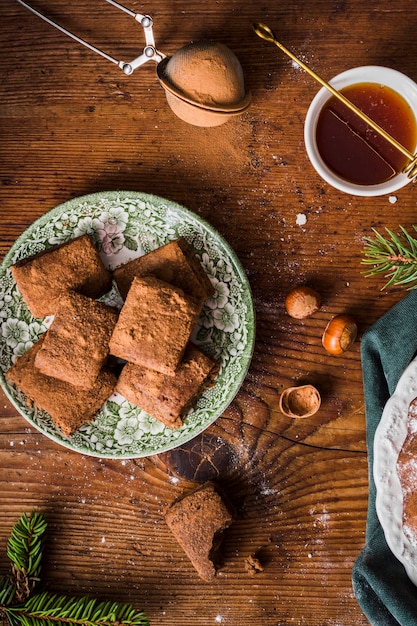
(302,401)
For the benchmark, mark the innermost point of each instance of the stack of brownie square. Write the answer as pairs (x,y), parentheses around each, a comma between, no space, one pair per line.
(66,373)
(164,292)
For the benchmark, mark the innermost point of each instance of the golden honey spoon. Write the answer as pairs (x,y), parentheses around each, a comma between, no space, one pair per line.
(264,32)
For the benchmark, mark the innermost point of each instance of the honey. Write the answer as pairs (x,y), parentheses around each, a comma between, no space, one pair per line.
(353,150)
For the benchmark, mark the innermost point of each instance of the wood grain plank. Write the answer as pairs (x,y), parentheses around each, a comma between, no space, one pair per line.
(72,124)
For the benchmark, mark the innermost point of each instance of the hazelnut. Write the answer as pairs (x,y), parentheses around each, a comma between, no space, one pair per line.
(302,302)
(303,401)
(339,334)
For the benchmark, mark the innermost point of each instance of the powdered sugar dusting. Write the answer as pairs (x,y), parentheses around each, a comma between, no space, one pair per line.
(301,219)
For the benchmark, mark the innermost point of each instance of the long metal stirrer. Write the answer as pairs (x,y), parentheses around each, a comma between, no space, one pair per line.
(264,32)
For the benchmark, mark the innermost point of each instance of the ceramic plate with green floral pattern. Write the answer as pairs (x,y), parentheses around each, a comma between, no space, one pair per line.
(124,225)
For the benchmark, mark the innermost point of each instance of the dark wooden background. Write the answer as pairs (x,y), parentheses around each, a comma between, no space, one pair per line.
(72,123)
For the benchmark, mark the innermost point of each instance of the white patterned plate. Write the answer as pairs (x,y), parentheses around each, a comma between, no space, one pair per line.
(388,442)
(125,225)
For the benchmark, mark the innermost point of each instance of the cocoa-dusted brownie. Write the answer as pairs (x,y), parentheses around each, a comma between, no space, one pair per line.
(69,407)
(154,325)
(76,344)
(168,398)
(75,265)
(198,520)
(174,263)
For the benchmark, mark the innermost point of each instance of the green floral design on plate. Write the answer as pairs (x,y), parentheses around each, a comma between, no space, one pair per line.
(125,225)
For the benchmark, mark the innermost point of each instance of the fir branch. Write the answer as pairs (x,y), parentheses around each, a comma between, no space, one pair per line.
(24,550)
(47,609)
(394,256)
(25,544)
(19,606)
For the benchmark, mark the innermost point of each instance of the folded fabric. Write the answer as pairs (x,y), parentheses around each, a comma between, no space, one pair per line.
(381,585)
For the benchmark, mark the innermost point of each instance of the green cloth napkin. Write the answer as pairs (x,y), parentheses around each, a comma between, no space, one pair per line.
(381,585)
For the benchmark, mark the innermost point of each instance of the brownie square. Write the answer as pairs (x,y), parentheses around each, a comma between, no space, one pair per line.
(175,263)
(75,265)
(168,398)
(154,325)
(69,407)
(76,344)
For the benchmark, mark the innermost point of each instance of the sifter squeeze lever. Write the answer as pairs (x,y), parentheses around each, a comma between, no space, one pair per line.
(149,53)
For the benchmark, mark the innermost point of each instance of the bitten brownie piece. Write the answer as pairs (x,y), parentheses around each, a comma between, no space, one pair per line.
(175,263)
(154,325)
(198,520)
(168,398)
(70,407)
(77,342)
(74,265)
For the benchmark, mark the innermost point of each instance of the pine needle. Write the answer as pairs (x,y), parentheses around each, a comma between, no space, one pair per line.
(7,590)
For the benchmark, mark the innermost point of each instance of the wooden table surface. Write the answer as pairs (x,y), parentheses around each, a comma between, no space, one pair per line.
(72,123)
